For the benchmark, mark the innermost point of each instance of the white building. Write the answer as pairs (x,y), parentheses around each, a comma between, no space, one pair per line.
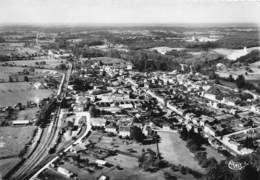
(65,172)
(124,131)
(111,129)
(20,122)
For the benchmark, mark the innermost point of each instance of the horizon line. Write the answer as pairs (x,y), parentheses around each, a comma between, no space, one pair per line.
(127,24)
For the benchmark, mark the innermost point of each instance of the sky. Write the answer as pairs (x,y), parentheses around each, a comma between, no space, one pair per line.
(128,11)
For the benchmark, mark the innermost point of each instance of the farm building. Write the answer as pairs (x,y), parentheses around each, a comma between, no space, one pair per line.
(20,122)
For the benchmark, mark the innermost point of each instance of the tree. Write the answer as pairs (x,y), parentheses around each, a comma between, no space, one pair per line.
(62,67)
(221,172)
(10,79)
(137,134)
(26,78)
(249,143)
(231,79)
(240,81)
(163,66)
(212,75)
(250,172)
(168,176)
(2,40)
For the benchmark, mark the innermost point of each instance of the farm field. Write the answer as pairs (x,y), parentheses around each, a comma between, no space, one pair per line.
(17,48)
(50,63)
(5,71)
(13,139)
(7,164)
(27,114)
(13,93)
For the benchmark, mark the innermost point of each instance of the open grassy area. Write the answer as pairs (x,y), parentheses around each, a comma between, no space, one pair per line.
(116,143)
(13,139)
(123,161)
(27,114)
(124,165)
(174,150)
(141,175)
(7,164)
(53,175)
(13,93)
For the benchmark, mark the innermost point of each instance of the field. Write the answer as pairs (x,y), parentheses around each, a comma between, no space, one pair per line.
(6,71)
(228,52)
(109,60)
(12,141)
(251,76)
(27,114)
(165,49)
(125,159)
(50,63)
(17,48)
(13,93)
(7,164)
(115,174)
(174,150)
(119,144)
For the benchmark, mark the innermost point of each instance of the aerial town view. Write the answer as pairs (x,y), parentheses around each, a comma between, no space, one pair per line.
(129,90)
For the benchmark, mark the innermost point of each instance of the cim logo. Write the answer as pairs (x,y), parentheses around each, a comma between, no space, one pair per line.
(235,165)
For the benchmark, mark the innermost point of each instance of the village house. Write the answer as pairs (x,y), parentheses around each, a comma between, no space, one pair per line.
(124,131)
(98,122)
(111,129)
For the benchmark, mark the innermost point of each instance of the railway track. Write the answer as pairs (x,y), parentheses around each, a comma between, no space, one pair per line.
(40,153)
(49,158)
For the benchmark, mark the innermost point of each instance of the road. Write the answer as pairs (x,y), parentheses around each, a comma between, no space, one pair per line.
(49,137)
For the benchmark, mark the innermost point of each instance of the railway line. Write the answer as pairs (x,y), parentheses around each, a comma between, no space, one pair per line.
(48,138)
(40,153)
